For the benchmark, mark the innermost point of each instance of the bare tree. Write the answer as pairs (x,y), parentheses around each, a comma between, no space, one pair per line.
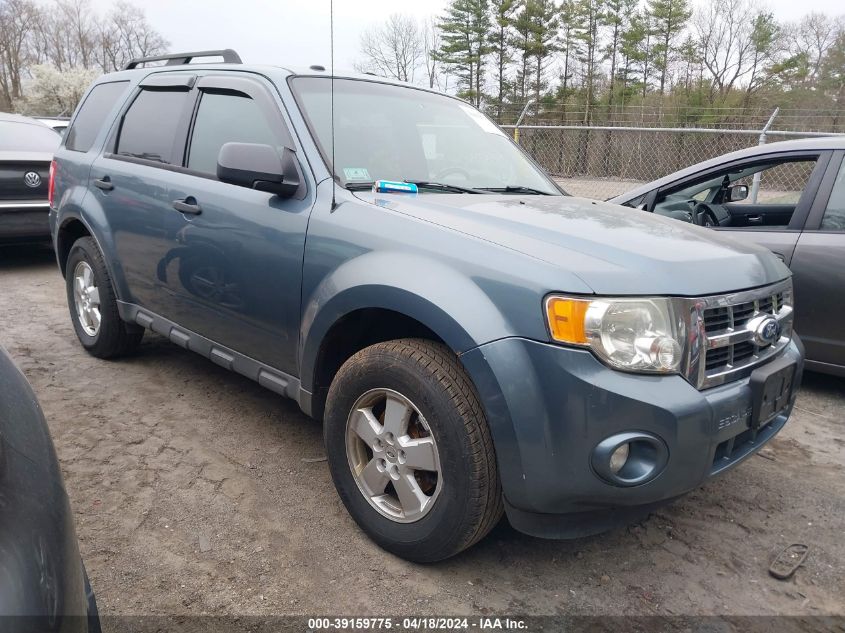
(18,19)
(430,45)
(726,35)
(125,35)
(394,49)
(68,37)
(811,38)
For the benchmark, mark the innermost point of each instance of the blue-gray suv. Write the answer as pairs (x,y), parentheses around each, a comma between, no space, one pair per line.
(474,340)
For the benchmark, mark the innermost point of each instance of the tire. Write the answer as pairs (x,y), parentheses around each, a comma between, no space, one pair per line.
(463,497)
(112,337)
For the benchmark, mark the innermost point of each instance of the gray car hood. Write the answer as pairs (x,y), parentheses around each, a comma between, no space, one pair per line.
(613,249)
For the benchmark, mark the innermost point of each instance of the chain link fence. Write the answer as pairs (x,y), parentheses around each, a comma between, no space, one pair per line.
(604,161)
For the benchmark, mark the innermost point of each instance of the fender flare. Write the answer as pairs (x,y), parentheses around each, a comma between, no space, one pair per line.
(102,237)
(447,302)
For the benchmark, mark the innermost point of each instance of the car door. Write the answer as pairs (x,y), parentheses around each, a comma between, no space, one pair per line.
(131,181)
(818,266)
(785,184)
(235,263)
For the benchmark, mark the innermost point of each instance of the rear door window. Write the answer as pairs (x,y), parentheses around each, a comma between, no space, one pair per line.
(834,214)
(92,116)
(150,126)
(225,117)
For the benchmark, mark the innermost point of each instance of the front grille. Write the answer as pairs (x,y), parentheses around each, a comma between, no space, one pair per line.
(731,317)
(717,320)
(717,358)
(731,343)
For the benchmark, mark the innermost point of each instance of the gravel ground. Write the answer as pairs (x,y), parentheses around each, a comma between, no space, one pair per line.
(196,491)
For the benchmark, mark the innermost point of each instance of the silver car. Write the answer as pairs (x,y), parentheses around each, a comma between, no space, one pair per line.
(788,197)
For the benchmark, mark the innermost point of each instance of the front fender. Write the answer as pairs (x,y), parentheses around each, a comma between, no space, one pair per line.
(450,304)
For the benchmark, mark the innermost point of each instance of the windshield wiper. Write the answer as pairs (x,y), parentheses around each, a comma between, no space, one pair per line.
(421,184)
(359,186)
(442,186)
(517,189)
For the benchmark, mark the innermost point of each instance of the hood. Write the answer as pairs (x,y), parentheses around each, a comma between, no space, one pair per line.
(614,250)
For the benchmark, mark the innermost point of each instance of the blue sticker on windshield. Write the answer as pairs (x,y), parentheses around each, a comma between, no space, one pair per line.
(356,173)
(391,186)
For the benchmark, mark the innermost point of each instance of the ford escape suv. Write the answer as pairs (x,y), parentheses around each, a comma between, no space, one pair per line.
(474,340)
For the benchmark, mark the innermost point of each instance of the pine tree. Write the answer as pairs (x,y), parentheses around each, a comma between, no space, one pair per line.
(501,44)
(522,44)
(669,18)
(633,51)
(617,16)
(570,26)
(543,18)
(589,14)
(465,30)
(763,41)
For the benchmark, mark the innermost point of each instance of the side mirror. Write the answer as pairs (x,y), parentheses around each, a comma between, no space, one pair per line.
(258,166)
(737,193)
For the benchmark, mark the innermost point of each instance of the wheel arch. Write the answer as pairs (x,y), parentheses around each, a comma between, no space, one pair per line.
(388,298)
(75,221)
(71,229)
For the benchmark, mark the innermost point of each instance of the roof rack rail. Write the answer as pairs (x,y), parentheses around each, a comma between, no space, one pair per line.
(177,59)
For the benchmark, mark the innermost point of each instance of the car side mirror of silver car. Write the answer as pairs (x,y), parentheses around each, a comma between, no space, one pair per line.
(259,166)
(736,193)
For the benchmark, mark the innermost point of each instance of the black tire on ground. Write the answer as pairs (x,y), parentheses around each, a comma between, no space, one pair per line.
(469,504)
(115,337)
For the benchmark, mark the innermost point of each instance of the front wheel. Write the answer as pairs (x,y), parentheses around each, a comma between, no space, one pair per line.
(410,451)
(93,305)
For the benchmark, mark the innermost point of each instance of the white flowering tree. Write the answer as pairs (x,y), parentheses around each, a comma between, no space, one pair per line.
(51,92)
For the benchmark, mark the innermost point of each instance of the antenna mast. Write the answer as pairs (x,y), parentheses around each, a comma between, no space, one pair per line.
(331,79)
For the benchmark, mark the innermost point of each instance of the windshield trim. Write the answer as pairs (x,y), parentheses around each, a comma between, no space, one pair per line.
(325,154)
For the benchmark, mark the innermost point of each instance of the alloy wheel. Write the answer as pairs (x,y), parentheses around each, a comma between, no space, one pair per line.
(393,455)
(86,298)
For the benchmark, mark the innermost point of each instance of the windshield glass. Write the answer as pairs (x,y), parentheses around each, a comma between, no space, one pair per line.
(387,132)
(27,137)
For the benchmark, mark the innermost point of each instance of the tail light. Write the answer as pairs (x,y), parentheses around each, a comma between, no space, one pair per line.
(51,187)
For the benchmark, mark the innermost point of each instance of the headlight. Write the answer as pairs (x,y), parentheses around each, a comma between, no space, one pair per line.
(642,335)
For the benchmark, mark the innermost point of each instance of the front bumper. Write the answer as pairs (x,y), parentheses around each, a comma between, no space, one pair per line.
(548,408)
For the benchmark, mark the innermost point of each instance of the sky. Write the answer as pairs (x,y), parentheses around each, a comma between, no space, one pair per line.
(296,32)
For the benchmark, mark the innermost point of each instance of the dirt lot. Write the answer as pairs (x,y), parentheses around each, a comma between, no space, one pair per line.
(195,492)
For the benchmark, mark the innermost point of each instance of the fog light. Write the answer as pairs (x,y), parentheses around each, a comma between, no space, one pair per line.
(619,457)
(630,458)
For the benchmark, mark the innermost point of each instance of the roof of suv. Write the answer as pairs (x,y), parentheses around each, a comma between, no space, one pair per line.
(232,63)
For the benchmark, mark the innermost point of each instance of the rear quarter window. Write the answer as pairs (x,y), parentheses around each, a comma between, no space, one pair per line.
(91,117)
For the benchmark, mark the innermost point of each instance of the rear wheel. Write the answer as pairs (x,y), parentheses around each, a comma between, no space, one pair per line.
(410,450)
(93,306)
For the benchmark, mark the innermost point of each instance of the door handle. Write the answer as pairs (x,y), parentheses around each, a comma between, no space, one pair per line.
(754,219)
(187,205)
(104,183)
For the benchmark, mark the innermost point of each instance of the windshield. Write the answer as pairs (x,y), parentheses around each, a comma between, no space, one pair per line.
(27,137)
(387,132)
(699,190)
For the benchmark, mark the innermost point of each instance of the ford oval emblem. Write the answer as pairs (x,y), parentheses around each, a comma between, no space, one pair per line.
(767,332)
(32,179)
